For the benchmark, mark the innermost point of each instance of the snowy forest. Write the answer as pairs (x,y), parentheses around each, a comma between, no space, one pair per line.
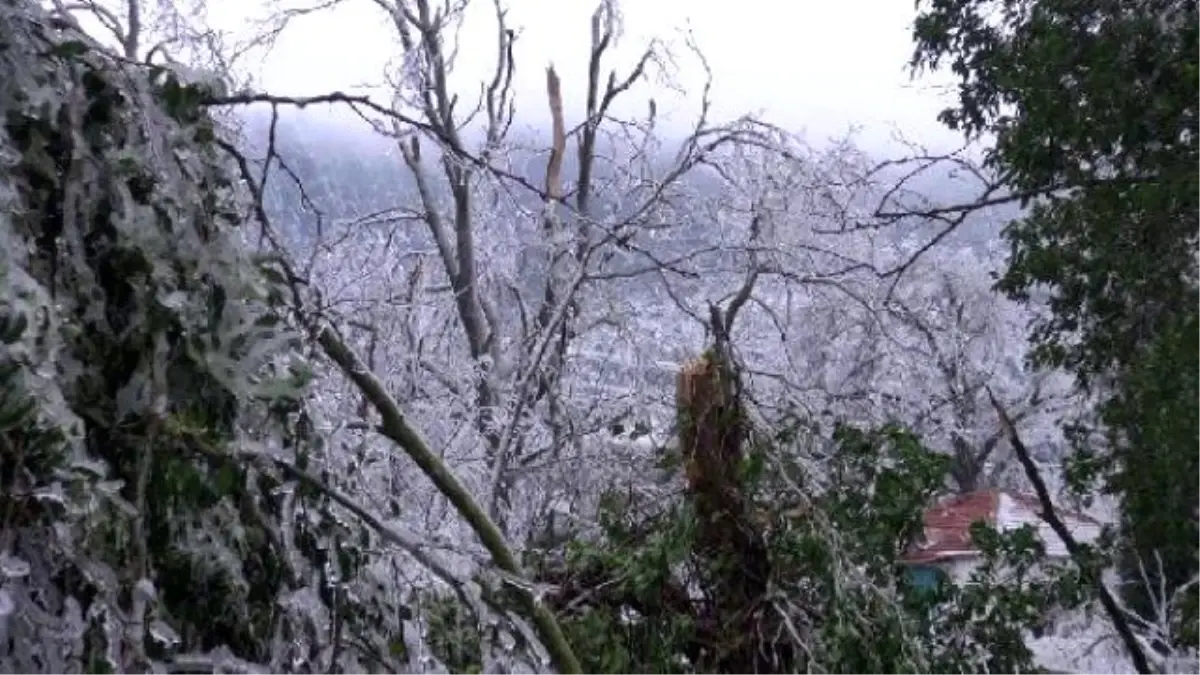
(454,392)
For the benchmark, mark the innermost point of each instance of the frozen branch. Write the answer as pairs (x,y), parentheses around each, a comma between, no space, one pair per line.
(1119,620)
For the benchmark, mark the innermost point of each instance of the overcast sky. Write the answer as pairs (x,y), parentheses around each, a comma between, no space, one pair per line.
(818,66)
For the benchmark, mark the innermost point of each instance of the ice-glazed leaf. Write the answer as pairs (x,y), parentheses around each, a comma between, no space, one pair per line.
(174,300)
(122,504)
(96,468)
(146,590)
(12,567)
(164,634)
(109,487)
(52,494)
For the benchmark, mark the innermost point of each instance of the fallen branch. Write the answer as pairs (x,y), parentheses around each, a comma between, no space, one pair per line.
(396,428)
(1048,514)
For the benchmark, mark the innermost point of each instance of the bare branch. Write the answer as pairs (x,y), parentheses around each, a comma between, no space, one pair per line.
(554,165)
(397,429)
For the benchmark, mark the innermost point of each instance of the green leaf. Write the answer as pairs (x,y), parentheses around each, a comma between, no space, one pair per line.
(69,49)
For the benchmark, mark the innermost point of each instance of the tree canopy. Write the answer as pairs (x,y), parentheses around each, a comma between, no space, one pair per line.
(1093,108)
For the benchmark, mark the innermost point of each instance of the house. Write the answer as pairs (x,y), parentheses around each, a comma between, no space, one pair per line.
(946,548)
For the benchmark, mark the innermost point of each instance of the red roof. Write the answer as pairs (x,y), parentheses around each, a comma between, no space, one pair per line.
(948,523)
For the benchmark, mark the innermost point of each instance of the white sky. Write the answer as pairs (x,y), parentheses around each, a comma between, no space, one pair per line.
(817,66)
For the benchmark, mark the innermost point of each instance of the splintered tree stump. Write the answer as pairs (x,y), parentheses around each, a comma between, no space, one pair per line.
(711,437)
(710,432)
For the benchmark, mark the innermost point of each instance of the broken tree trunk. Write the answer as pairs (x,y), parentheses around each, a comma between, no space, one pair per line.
(711,437)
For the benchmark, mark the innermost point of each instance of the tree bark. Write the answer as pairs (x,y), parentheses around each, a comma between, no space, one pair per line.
(735,562)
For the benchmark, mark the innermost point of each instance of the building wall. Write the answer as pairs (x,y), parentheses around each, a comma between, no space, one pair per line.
(1012,514)
(1055,644)
(959,569)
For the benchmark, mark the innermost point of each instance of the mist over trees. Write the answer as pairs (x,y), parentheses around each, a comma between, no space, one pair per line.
(452,394)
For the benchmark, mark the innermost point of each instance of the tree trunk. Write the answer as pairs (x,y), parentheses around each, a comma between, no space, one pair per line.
(733,557)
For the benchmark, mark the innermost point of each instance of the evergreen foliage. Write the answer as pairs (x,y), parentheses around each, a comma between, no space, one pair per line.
(1093,104)
(150,379)
(635,595)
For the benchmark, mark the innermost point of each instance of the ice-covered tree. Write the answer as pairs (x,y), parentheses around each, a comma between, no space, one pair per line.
(156,509)
(946,339)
